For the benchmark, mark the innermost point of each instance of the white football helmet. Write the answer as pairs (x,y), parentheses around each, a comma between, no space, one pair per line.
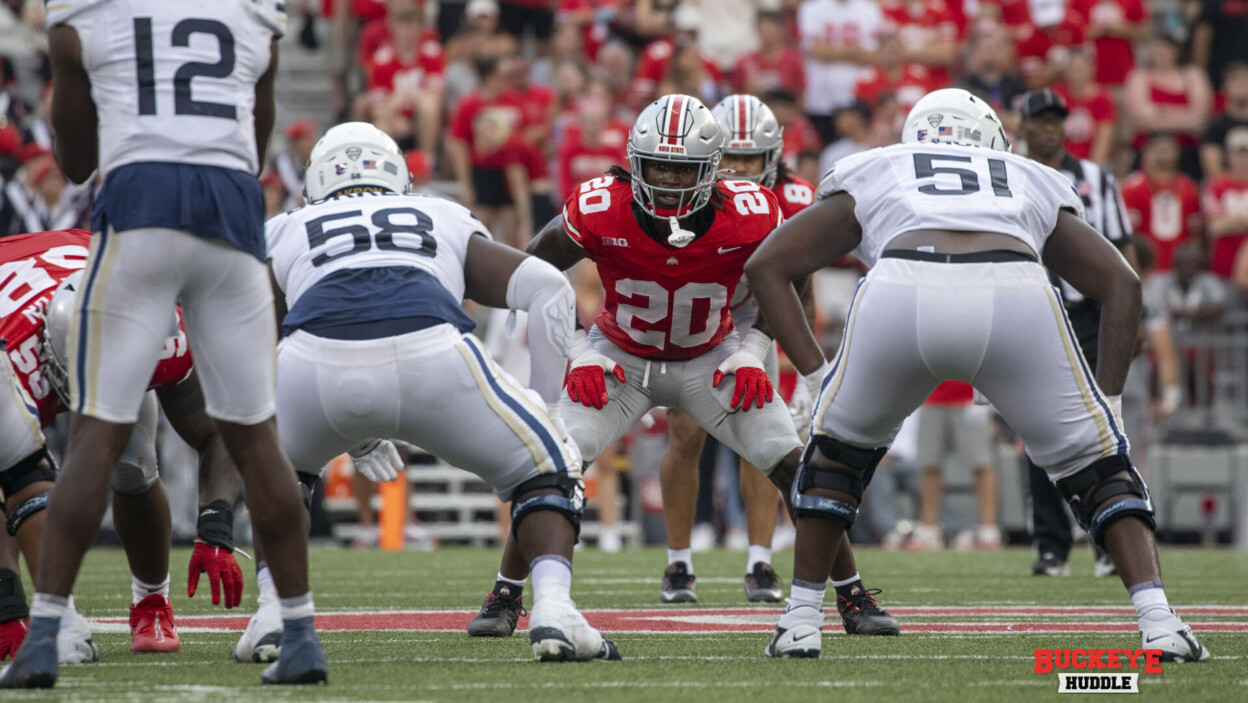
(675,128)
(954,116)
(750,127)
(355,154)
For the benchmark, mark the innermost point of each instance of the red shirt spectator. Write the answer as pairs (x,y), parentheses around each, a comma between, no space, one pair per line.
(389,69)
(1110,24)
(1226,201)
(952,393)
(582,160)
(1166,212)
(910,83)
(653,67)
(594,32)
(364,9)
(487,125)
(799,136)
(776,64)
(1038,47)
(922,25)
(1012,13)
(1088,115)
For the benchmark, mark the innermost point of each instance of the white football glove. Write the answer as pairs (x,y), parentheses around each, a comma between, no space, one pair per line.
(1171,399)
(802,404)
(377,459)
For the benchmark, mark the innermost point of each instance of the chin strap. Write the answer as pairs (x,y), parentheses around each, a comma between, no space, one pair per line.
(679,237)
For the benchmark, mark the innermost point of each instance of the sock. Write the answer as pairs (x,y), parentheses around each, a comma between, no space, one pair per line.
(552,578)
(838,585)
(297,608)
(142,590)
(268,589)
(46,605)
(1149,599)
(806,593)
(757,554)
(685,555)
(514,582)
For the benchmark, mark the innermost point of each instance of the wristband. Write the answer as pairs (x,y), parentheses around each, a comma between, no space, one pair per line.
(216,525)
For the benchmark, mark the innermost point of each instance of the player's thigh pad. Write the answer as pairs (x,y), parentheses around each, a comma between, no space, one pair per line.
(136,471)
(762,436)
(332,394)
(879,375)
(460,405)
(19,419)
(594,430)
(229,320)
(125,313)
(1036,377)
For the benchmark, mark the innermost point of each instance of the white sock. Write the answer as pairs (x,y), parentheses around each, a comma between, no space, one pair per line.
(268,590)
(757,554)
(297,607)
(1150,601)
(552,578)
(846,582)
(141,590)
(805,593)
(46,605)
(685,555)
(513,582)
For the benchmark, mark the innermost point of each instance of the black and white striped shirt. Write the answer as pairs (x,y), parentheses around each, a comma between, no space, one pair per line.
(1102,200)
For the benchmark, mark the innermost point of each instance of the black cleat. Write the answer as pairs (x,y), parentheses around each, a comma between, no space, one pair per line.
(762,585)
(862,615)
(1049,565)
(302,660)
(499,613)
(678,584)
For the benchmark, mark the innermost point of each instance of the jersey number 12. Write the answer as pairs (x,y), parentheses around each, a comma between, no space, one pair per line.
(183,104)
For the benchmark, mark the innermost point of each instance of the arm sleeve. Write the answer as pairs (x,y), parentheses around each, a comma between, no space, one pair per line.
(545,294)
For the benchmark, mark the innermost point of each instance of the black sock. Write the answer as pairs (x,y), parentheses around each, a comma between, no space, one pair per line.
(502,588)
(850,589)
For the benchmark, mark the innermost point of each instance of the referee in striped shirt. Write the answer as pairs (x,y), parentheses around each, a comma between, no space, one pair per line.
(1044,113)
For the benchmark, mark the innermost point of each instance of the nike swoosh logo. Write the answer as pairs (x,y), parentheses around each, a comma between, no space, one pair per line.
(1154,639)
(725,250)
(805,636)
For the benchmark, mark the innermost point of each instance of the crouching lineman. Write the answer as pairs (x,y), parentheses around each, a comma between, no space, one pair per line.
(49,266)
(670,240)
(378,345)
(954,226)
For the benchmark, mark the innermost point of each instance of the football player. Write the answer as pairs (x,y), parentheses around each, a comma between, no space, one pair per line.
(377,345)
(173,102)
(954,228)
(44,271)
(670,240)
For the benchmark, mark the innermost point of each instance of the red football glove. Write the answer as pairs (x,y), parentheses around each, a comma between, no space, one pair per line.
(753,386)
(11,635)
(222,570)
(587,380)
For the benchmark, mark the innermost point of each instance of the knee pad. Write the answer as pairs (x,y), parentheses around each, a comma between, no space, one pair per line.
(307,485)
(33,469)
(27,509)
(1098,483)
(571,504)
(853,480)
(132,479)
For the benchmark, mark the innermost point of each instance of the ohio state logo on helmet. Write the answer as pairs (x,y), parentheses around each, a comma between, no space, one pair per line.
(674,123)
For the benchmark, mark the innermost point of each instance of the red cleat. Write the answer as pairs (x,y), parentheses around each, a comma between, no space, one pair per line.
(151,626)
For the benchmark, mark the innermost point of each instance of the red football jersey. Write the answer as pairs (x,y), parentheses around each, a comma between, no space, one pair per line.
(1224,196)
(663,302)
(1168,214)
(31,268)
(422,71)
(795,194)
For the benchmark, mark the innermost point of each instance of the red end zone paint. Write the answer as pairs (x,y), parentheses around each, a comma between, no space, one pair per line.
(706,620)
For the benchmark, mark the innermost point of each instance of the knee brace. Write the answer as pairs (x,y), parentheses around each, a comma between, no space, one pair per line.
(853,480)
(33,469)
(307,485)
(571,504)
(27,509)
(1097,482)
(131,479)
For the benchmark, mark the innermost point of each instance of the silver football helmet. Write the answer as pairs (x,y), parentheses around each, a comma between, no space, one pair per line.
(750,127)
(676,129)
(954,116)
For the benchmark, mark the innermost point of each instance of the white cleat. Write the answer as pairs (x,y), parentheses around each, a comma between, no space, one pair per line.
(1176,642)
(559,633)
(262,640)
(74,644)
(799,634)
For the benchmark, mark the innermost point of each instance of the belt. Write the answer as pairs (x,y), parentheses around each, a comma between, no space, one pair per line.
(373,329)
(991,256)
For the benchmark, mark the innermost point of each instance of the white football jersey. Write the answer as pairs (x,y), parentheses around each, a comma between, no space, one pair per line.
(370,231)
(906,187)
(174,81)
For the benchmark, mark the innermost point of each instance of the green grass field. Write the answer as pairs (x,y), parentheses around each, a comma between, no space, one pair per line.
(410,665)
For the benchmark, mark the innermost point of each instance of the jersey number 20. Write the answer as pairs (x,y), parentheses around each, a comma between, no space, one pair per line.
(183,104)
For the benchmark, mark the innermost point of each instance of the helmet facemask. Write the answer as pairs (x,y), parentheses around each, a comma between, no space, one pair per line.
(688,200)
